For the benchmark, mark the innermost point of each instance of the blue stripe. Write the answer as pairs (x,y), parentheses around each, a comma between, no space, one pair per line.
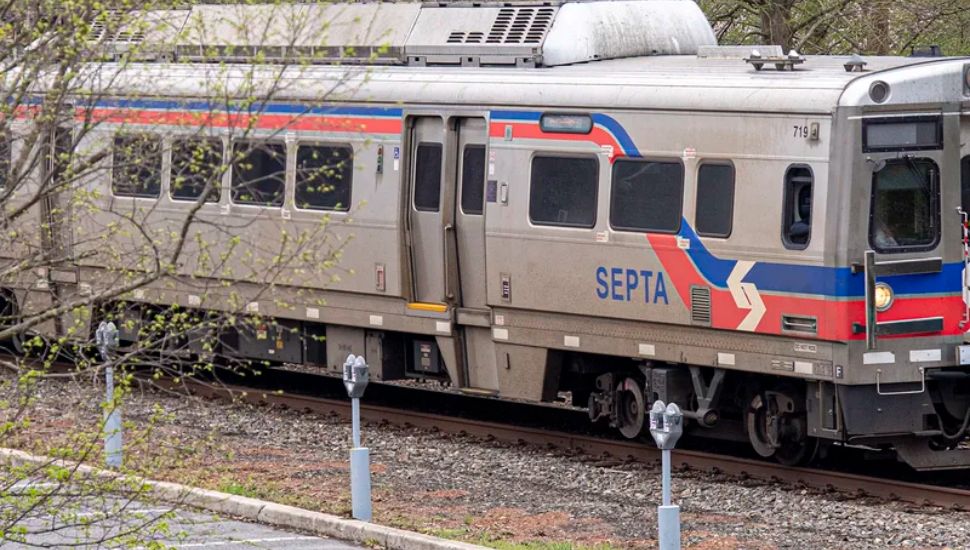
(818,280)
(615,128)
(256,108)
(607,122)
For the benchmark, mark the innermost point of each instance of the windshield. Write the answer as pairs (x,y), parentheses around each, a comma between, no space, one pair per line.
(904,213)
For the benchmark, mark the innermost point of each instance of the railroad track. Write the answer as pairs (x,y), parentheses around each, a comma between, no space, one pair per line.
(848,484)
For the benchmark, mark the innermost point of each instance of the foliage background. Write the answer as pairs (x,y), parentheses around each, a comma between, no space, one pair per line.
(867,27)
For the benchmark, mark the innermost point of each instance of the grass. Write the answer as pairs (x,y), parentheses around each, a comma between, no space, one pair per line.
(239,489)
(541,545)
(484,539)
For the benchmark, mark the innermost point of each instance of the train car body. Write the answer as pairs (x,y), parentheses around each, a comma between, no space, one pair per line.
(778,250)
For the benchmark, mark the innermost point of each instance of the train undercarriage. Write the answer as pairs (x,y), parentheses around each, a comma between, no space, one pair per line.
(785,419)
(793,421)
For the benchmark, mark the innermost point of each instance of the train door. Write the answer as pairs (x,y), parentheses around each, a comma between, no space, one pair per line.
(473,315)
(427,224)
(447,239)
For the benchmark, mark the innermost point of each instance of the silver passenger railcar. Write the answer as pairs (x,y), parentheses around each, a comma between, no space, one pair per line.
(595,198)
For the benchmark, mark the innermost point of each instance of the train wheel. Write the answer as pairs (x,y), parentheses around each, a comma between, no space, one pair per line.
(778,429)
(630,408)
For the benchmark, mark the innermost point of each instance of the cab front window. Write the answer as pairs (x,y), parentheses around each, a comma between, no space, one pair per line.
(905,213)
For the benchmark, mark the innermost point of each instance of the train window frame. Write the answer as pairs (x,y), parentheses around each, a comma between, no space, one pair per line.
(697,198)
(680,196)
(788,207)
(233,161)
(965,183)
(868,122)
(349,172)
(532,186)
(440,147)
(215,194)
(481,195)
(935,215)
(6,160)
(116,165)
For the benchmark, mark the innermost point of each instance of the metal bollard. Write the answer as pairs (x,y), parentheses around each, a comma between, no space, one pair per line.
(106,337)
(355,380)
(666,426)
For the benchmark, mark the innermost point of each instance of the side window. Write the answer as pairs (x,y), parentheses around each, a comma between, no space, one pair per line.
(472,179)
(965,183)
(427,177)
(324,176)
(797,219)
(258,173)
(136,165)
(715,200)
(563,191)
(196,163)
(647,196)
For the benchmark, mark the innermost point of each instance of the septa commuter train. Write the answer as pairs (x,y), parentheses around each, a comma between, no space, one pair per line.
(583,197)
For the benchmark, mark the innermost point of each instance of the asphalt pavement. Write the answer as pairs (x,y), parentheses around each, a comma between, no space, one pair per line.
(83,522)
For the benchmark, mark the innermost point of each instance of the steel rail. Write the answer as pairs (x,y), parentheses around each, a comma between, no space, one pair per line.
(848,484)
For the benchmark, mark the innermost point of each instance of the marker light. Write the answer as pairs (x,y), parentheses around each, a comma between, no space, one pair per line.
(884,296)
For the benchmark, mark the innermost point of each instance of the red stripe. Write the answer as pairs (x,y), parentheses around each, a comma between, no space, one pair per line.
(531,130)
(310,123)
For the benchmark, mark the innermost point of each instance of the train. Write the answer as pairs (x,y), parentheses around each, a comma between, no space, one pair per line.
(530,200)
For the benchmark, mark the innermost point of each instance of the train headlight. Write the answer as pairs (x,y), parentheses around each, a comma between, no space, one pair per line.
(884,296)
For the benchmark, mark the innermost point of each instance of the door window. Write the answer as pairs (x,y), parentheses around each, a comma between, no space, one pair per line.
(427,177)
(472,179)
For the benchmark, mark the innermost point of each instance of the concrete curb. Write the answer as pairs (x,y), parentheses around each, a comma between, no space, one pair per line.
(259,511)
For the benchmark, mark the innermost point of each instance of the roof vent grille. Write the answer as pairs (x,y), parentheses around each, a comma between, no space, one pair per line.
(117,26)
(459,37)
(520,25)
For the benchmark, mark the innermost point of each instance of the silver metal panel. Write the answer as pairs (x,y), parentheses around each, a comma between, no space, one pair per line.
(480,354)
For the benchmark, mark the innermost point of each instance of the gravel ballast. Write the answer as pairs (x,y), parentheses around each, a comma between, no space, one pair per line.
(482,492)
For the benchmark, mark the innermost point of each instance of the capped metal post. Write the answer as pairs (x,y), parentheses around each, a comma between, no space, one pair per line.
(355,380)
(666,427)
(106,338)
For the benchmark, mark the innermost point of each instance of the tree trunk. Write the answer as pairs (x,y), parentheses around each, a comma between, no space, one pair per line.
(776,22)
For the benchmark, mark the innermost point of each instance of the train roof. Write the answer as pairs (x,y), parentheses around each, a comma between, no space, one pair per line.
(618,54)
(680,83)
